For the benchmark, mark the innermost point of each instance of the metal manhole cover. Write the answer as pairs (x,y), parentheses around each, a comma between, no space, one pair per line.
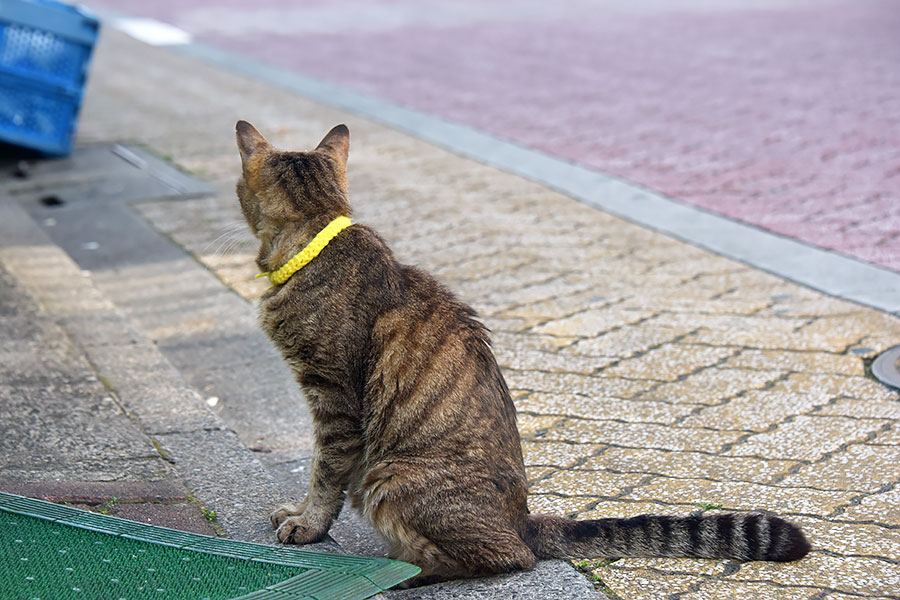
(886,367)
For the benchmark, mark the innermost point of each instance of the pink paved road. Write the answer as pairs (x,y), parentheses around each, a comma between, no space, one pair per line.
(784,115)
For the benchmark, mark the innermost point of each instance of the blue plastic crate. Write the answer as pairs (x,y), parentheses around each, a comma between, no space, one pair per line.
(45,50)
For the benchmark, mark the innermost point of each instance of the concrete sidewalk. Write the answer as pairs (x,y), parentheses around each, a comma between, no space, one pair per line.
(649,375)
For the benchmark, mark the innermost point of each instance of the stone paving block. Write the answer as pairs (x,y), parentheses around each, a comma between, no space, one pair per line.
(511,342)
(668,362)
(840,596)
(517,395)
(613,272)
(517,287)
(494,309)
(529,425)
(538,381)
(645,583)
(587,407)
(880,508)
(735,330)
(811,304)
(407,250)
(859,575)
(862,409)
(756,410)
(712,386)
(586,483)
(692,303)
(764,340)
(764,301)
(718,589)
(687,464)
(480,267)
(803,362)
(535,474)
(553,504)
(657,251)
(860,467)
(849,329)
(742,496)
(876,342)
(889,437)
(695,261)
(641,435)
(562,306)
(839,385)
(618,508)
(555,362)
(739,276)
(847,538)
(495,323)
(556,454)
(628,340)
(807,438)
(687,566)
(591,323)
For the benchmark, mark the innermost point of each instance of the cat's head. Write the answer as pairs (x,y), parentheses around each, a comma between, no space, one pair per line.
(282,193)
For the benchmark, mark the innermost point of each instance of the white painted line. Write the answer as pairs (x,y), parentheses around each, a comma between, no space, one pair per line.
(796,261)
(153,32)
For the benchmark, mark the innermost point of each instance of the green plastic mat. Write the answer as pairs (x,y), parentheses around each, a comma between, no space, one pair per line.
(55,552)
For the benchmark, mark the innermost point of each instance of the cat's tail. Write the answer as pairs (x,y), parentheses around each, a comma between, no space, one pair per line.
(740,536)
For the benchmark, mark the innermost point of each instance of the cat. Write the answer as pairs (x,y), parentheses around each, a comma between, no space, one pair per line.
(413,419)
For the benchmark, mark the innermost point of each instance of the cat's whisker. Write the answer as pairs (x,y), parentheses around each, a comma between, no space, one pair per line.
(220,246)
(231,240)
(230,229)
(232,245)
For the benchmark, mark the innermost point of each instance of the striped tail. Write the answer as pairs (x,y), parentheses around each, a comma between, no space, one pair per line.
(739,536)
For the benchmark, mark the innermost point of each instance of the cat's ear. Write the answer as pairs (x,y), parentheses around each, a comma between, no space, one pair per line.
(249,141)
(336,144)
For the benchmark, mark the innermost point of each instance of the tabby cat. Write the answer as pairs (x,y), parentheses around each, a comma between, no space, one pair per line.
(413,419)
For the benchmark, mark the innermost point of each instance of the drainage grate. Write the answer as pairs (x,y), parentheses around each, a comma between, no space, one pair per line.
(886,367)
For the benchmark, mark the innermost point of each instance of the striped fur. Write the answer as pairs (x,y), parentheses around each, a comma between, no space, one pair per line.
(739,536)
(413,420)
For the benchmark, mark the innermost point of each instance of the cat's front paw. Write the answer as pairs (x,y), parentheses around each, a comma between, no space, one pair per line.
(284,512)
(300,530)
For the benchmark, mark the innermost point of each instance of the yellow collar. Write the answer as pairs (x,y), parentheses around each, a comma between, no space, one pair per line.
(312,249)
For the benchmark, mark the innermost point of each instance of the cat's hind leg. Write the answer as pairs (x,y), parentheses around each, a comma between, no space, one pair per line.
(459,554)
(446,540)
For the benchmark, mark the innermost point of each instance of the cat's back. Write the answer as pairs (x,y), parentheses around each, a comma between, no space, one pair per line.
(435,387)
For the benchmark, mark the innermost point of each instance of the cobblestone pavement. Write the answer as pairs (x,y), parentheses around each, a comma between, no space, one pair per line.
(779,114)
(649,375)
